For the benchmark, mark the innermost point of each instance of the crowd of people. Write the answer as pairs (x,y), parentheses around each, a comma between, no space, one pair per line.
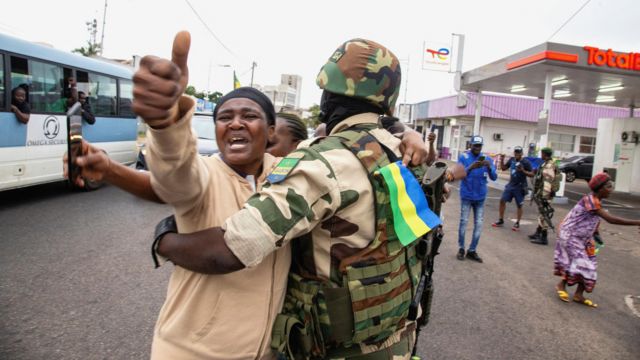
(69,96)
(578,238)
(287,246)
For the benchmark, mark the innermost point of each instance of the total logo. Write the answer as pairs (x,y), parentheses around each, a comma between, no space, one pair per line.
(609,58)
(441,54)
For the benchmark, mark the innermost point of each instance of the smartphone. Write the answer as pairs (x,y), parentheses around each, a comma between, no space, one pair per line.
(74,140)
(433,128)
(481,158)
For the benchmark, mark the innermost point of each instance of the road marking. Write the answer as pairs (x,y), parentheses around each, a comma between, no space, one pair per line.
(630,303)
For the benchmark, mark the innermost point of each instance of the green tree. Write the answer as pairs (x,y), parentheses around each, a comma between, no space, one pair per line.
(89,50)
(313,120)
(93,48)
(190,90)
(211,96)
(214,96)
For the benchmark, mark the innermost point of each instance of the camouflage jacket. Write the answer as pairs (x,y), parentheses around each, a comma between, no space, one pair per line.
(327,196)
(544,179)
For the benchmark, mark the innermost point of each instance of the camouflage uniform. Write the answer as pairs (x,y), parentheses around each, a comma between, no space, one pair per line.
(320,195)
(543,186)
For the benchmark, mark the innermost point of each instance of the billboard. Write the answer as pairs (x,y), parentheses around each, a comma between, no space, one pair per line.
(436,56)
(404,113)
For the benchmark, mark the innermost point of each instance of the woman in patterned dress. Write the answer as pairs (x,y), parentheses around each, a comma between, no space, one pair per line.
(574,256)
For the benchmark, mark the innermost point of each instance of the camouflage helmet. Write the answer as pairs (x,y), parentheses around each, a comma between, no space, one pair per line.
(363,69)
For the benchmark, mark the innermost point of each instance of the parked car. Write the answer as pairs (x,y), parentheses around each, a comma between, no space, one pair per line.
(203,126)
(577,167)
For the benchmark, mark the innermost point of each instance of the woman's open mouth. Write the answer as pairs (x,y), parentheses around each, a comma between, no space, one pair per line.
(238,143)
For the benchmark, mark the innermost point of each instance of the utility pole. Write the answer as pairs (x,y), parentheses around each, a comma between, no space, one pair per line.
(406,82)
(92,27)
(209,77)
(253,66)
(104,20)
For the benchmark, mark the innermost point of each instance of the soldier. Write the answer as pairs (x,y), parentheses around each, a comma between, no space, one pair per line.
(545,184)
(351,280)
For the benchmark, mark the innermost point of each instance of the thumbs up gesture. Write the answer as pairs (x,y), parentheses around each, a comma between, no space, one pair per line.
(159,83)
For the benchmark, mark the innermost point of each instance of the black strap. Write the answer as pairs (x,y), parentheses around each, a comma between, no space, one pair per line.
(165,226)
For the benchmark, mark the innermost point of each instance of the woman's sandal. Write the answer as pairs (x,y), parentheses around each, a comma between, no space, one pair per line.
(563,295)
(586,302)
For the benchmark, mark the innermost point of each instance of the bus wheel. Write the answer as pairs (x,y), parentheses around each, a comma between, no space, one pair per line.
(90,185)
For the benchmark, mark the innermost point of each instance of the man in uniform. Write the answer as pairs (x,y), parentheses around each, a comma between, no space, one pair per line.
(352,281)
(545,185)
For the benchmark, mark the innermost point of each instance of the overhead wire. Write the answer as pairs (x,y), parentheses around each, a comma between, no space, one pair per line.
(195,12)
(569,19)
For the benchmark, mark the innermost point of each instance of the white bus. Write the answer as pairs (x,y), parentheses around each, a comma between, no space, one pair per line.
(32,153)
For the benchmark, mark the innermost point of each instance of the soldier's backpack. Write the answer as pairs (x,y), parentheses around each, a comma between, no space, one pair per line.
(375,286)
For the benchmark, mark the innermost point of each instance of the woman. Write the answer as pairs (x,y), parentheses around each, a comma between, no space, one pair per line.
(20,105)
(574,258)
(290,131)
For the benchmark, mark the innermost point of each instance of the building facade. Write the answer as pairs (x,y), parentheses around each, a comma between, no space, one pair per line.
(508,121)
(286,95)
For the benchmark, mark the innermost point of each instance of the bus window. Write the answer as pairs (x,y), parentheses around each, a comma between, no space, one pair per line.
(82,81)
(44,82)
(102,92)
(126,98)
(20,74)
(1,82)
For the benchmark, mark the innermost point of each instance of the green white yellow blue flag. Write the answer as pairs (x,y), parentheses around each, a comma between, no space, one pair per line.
(412,217)
(236,82)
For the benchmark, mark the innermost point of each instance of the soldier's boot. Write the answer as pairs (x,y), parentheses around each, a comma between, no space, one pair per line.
(542,240)
(536,235)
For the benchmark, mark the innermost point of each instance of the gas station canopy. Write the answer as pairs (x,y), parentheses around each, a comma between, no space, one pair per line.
(580,74)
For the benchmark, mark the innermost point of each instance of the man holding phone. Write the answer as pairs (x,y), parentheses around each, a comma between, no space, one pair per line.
(473,191)
(520,169)
(74,140)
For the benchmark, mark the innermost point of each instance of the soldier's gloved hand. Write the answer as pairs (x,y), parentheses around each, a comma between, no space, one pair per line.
(552,194)
(159,83)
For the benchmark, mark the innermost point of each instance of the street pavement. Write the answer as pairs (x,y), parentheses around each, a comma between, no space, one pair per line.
(507,307)
(77,282)
(76,276)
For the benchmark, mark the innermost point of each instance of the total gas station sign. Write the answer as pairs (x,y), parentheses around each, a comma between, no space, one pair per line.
(590,56)
(609,58)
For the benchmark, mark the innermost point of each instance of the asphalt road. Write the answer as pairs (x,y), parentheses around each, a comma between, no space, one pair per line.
(77,282)
(76,276)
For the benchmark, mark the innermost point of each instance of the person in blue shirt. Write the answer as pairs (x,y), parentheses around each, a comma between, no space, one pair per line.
(520,168)
(473,191)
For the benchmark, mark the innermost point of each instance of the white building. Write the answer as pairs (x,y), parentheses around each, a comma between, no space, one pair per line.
(285,95)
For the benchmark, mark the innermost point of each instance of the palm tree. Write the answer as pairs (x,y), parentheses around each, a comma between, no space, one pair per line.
(92,49)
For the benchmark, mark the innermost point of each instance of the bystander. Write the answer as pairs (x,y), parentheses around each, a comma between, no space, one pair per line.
(473,191)
(519,169)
